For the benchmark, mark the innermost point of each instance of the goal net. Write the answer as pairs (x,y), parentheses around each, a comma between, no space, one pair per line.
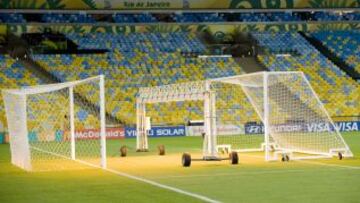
(279,113)
(275,112)
(57,126)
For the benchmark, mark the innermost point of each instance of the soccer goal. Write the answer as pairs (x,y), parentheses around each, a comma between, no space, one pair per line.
(275,112)
(57,126)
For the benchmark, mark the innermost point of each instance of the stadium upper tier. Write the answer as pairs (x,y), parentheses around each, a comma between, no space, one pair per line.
(182,17)
(345,44)
(71,18)
(12,18)
(338,92)
(149,42)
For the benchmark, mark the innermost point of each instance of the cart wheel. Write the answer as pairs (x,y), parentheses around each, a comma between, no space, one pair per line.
(234,158)
(186,160)
(142,150)
(123,151)
(161,149)
(340,156)
(285,157)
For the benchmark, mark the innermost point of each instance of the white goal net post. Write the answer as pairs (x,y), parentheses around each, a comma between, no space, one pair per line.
(57,126)
(282,107)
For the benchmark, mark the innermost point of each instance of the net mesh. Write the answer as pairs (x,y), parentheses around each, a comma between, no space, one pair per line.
(297,120)
(44,116)
(233,113)
(87,122)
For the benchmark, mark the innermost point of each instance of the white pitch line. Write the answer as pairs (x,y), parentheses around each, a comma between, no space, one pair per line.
(174,189)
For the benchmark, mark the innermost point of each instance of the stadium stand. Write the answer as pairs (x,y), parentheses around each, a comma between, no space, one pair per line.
(67,18)
(14,75)
(345,44)
(337,91)
(140,59)
(133,18)
(322,16)
(198,17)
(12,18)
(149,59)
(184,17)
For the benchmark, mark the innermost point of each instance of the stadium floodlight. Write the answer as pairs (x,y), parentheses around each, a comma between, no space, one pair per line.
(51,125)
(275,112)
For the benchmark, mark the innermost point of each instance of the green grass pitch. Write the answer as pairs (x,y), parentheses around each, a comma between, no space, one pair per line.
(253,180)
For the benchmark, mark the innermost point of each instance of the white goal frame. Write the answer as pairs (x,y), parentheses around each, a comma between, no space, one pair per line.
(201,90)
(17,121)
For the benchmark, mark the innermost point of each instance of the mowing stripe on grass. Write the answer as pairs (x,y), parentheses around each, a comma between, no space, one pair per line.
(333,165)
(263,172)
(174,189)
(315,163)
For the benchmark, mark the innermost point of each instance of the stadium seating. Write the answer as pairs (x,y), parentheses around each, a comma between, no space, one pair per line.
(133,18)
(12,18)
(67,18)
(323,16)
(185,17)
(147,59)
(198,17)
(13,75)
(345,44)
(352,16)
(138,60)
(338,92)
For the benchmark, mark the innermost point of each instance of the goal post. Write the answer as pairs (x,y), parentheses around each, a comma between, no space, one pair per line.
(57,126)
(275,112)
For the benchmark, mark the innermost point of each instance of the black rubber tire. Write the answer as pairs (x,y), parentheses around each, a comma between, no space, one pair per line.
(340,156)
(161,149)
(142,150)
(123,151)
(186,160)
(234,158)
(287,158)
